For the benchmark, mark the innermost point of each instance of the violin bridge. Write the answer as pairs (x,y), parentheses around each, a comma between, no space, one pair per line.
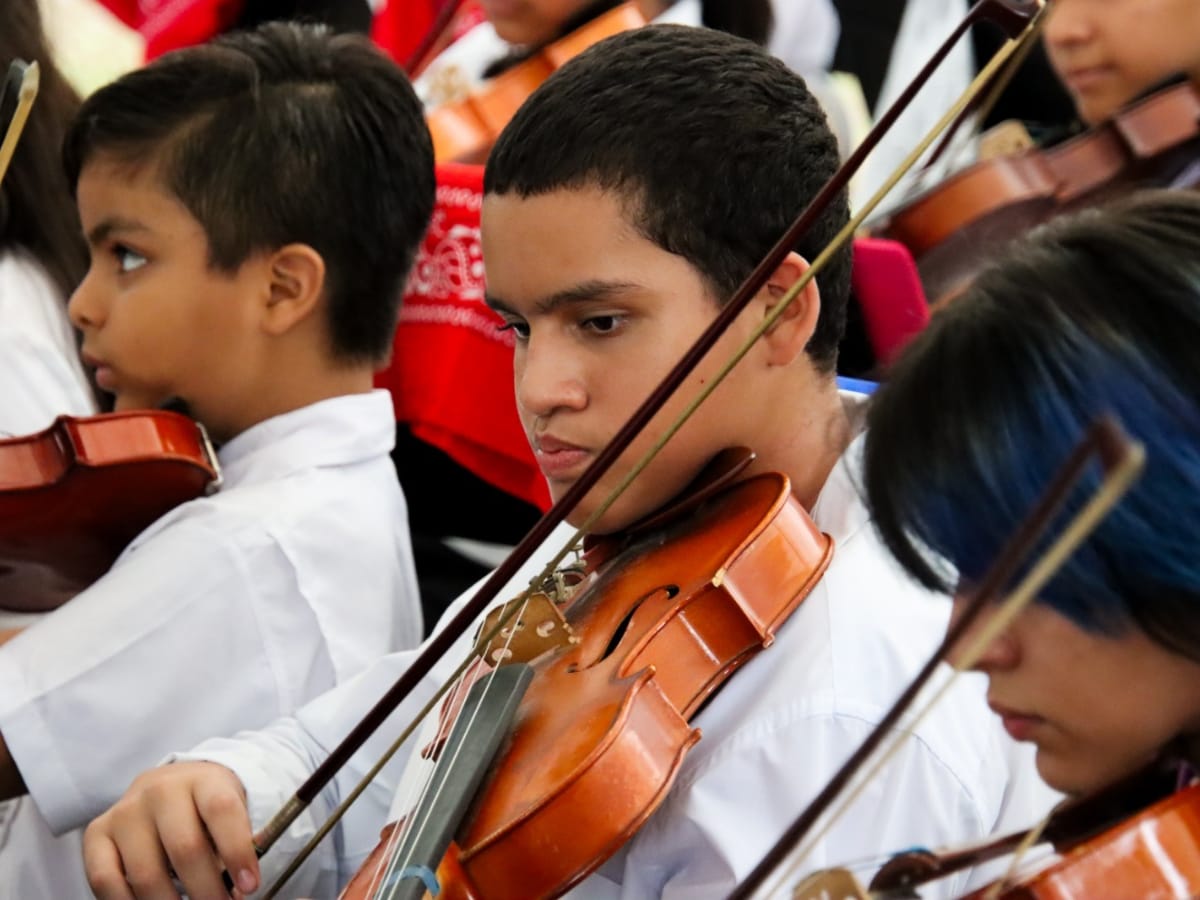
(536,629)
(830,884)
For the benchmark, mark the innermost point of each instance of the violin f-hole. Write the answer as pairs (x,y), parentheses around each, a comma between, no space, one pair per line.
(667,592)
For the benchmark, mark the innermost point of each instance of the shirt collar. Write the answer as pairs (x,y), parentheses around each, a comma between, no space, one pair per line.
(337,431)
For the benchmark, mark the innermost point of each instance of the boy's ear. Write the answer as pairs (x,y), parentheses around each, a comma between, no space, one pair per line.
(296,283)
(791,332)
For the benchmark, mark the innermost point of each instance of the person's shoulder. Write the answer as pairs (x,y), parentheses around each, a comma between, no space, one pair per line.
(27,295)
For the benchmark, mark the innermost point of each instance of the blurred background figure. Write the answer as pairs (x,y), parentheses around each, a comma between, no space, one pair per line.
(42,253)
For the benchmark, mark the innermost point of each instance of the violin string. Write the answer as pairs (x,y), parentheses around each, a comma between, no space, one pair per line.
(415,797)
(1031,839)
(340,810)
(769,321)
(1110,491)
(966,140)
(295,806)
(427,802)
(817,265)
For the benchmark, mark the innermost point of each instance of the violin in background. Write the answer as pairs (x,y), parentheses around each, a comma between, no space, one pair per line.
(954,228)
(464,131)
(74,495)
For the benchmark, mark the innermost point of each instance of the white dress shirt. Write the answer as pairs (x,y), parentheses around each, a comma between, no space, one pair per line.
(227,612)
(40,373)
(924,26)
(771,739)
(805,34)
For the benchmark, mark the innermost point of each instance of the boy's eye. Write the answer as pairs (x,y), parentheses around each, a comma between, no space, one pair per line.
(520,329)
(602,324)
(128,260)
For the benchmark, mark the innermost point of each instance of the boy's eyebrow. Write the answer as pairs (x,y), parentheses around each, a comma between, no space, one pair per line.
(591,290)
(104,229)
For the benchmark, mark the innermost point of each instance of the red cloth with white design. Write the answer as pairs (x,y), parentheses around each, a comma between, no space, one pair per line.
(451,370)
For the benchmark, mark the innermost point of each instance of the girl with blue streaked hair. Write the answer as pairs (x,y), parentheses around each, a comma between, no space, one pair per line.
(1096,313)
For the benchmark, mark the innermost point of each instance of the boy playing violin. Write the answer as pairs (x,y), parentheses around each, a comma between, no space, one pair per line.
(1108,54)
(512,32)
(1100,673)
(626,200)
(251,209)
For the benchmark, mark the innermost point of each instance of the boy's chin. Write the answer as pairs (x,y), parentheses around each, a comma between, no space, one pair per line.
(132,401)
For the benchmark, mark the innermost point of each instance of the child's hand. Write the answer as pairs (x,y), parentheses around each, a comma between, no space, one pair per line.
(186,820)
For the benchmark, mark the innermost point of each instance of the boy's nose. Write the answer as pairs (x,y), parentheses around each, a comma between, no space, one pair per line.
(1000,652)
(547,382)
(85,308)
(1067,23)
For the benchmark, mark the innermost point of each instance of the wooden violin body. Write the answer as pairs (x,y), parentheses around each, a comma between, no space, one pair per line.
(1154,855)
(74,495)
(603,727)
(953,229)
(464,131)
(1137,837)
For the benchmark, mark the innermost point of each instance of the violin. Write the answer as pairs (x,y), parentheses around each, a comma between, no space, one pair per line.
(654,647)
(464,131)
(1154,855)
(74,495)
(954,227)
(1139,837)
(663,616)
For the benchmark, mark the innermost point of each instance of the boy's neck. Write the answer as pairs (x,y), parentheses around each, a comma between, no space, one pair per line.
(809,442)
(299,389)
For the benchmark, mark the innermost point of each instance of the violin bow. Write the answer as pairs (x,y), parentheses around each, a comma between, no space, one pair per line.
(420,57)
(981,109)
(21,83)
(1015,17)
(1123,460)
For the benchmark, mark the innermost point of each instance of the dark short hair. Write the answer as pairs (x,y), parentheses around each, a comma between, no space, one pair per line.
(279,135)
(718,145)
(1095,314)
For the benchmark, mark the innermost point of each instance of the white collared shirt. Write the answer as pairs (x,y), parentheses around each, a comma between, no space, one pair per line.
(227,612)
(40,373)
(771,739)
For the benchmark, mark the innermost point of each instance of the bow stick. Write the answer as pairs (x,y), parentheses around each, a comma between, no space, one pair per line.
(21,84)
(1014,16)
(1123,460)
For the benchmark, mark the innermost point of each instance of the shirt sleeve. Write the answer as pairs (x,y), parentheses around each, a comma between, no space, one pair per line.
(273,762)
(712,831)
(85,703)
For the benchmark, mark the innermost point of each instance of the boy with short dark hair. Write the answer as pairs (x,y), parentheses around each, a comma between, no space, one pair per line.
(252,208)
(628,197)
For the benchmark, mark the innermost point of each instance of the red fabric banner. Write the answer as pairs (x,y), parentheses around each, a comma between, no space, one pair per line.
(451,374)
(451,370)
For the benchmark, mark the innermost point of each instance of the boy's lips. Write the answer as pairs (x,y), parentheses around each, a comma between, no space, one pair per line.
(1019,725)
(1081,79)
(105,378)
(557,458)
